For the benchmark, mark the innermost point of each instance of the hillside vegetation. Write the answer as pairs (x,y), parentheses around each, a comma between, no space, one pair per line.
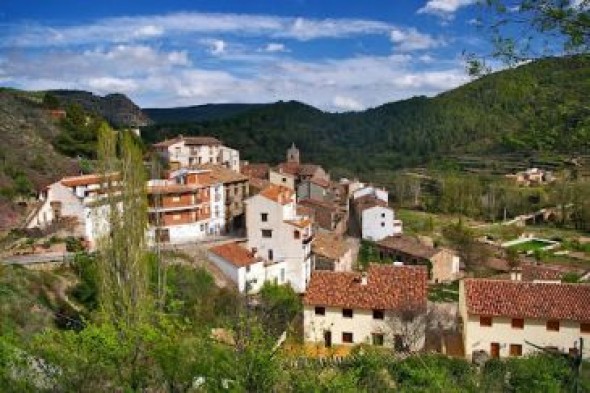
(537,108)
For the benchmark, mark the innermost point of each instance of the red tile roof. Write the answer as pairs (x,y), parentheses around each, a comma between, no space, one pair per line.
(520,299)
(234,254)
(84,180)
(388,287)
(280,194)
(318,204)
(300,223)
(259,171)
(329,245)
(367,202)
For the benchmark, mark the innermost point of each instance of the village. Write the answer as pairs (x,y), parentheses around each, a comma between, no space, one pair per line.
(361,276)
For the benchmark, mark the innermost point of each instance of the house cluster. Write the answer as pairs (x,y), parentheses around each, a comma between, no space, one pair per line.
(532,177)
(295,220)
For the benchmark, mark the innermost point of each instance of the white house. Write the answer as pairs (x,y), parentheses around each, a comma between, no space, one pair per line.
(77,200)
(509,318)
(183,152)
(386,306)
(248,271)
(376,219)
(278,235)
(379,193)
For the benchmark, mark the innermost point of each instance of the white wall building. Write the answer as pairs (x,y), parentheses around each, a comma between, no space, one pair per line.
(278,235)
(349,308)
(379,193)
(502,317)
(245,269)
(76,199)
(183,152)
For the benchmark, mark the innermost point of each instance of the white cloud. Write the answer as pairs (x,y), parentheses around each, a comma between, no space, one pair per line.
(141,28)
(407,40)
(105,85)
(275,47)
(217,47)
(347,103)
(444,8)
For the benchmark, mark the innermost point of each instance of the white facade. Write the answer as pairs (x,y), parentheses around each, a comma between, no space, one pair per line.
(217,197)
(279,236)
(282,179)
(186,154)
(78,202)
(501,334)
(362,325)
(379,222)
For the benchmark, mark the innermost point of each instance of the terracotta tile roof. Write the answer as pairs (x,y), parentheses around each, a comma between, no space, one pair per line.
(521,299)
(235,254)
(388,287)
(531,272)
(84,180)
(308,169)
(296,169)
(300,223)
(280,194)
(259,183)
(329,245)
(304,210)
(259,171)
(223,174)
(408,245)
(368,201)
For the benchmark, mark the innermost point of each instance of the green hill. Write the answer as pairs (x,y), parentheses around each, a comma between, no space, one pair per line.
(197,112)
(538,108)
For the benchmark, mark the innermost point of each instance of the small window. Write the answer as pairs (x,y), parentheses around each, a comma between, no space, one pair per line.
(267,233)
(485,321)
(378,314)
(347,312)
(515,350)
(378,339)
(284,179)
(320,311)
(270,255)
(296,234)
(347,337)
(585,327)
(553,325)
(517,323)
(382,215)
(383,224)
(264,217)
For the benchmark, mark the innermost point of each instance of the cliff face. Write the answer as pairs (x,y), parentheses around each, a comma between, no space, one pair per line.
(117,109)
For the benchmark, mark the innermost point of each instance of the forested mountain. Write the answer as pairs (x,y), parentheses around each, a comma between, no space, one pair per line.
(540,107)
(197,112)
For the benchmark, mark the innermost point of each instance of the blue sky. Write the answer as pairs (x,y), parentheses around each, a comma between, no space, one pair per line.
(336,55)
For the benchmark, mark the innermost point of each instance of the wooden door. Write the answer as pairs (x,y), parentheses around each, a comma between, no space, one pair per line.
(495,350)
(327,339)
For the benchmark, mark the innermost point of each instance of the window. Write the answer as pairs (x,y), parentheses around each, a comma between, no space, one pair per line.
(382,224)
(296,234)
(284,179)
(485,321)
(378,314)
(320,311)
(270,255)
(378,339)
(267,233)
(515,350)
(553,325)
(382,215)
(517,323)
(347,337)
(347,312)
(264,217)
(585,327)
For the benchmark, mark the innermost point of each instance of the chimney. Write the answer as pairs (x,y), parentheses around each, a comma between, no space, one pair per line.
(516,274)
(364,278)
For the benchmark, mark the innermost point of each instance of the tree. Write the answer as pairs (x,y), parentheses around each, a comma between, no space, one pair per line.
(123,260)
(473,253)
(522,30)
(408,324)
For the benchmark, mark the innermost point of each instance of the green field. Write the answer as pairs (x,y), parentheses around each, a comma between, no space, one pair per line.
(530,246)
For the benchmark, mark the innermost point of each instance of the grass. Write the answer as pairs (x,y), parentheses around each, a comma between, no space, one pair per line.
(530,246)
